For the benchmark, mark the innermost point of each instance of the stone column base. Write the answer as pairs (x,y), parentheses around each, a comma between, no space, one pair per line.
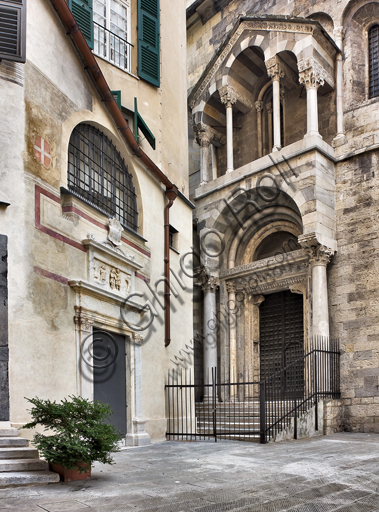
(138,437)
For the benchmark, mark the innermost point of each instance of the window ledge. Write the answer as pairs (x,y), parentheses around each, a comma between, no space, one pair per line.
(66,192)
(115,66)
(177,252)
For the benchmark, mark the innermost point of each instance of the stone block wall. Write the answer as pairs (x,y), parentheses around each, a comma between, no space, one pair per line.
(333,417)
(353,284)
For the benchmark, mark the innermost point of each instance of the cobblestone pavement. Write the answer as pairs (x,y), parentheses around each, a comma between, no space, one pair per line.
(338,472)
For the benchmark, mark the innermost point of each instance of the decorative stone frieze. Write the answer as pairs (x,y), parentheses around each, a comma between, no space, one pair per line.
(292,261)
(257,24)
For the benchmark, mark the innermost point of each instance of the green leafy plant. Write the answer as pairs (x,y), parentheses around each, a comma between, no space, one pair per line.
(80,435)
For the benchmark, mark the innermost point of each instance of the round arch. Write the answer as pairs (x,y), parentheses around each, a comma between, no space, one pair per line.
(108,130)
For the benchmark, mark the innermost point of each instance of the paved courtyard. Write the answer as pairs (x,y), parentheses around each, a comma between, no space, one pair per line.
(338,472)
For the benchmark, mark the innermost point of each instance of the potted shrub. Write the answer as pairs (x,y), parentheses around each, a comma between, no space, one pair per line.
(78,436)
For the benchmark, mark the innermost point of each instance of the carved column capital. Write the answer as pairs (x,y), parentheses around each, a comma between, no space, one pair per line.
(257,300)
(203,134)
(299,288)
(318,254)
(230,287)
(210,285)
(207,282)
(311,74)
(259,105)
(138,338)
(275,69)
(228,95)
(269,107)
(82,320)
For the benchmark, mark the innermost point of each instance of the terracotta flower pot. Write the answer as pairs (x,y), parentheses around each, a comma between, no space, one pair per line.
(70,475)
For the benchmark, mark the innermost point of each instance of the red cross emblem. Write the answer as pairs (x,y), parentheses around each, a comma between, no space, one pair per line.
(42,151)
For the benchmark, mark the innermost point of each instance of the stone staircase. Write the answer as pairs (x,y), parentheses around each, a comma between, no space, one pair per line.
(235,421)
(20,464)
(238,421)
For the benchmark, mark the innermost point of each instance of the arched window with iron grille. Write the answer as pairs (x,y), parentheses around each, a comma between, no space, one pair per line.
(373,51)
(98,174)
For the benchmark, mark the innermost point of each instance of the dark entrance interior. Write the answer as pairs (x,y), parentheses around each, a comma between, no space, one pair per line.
(109,374)
(282,341)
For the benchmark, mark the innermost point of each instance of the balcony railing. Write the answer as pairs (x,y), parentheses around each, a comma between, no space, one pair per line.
(112,47)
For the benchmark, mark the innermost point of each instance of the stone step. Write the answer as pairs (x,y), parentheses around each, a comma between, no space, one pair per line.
(7,442)
(28,478)
(9,432)
(18,453)
(7,465)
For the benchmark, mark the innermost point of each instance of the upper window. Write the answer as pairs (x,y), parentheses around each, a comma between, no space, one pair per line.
(98,174)
(373,50)
(111,19)
(105,25)
(12,30)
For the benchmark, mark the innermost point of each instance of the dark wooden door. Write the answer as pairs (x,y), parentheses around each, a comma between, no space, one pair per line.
(282,342)
(109,374)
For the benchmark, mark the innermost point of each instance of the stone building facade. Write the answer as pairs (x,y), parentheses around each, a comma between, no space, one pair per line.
(283,171)
(84,248)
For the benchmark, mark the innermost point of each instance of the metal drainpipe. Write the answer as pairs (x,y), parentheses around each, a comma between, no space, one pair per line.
(171,195)
(102,86)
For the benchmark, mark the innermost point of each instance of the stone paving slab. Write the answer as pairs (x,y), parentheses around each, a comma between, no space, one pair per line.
(325,474)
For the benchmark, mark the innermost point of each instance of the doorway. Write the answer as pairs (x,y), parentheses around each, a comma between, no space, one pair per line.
(282,342)
(109,374)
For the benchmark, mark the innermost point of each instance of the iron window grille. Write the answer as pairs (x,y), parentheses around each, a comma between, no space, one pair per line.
(373,50)
(98,174)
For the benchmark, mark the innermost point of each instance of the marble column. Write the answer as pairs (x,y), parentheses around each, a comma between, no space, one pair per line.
(312,78)
(84,340)
(214,161)
(203,138)
(231,289)
(137,436)
(228,98)
(269,118)
(338,34)
(319,257)
(275,72)
(259,108)
(209,286)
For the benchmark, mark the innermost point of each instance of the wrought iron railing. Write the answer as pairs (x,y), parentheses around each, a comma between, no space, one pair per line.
(112,47)
(252,410)
(286,395)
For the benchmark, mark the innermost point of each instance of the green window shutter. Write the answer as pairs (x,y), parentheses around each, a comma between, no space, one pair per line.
(12,30)
(117,97)
(82,11)
(148,41)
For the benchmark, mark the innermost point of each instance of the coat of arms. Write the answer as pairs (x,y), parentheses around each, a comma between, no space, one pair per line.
(115,230)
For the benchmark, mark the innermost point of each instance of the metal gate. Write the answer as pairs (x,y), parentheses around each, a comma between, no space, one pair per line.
(282,342)
(260,413)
